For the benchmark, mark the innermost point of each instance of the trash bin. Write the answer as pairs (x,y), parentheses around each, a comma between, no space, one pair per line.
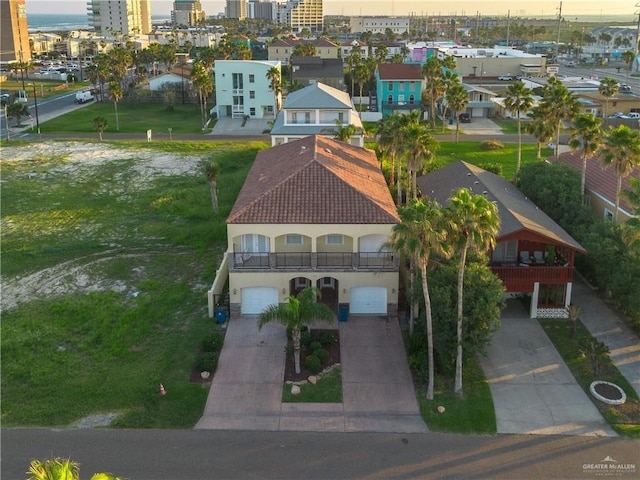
(343,312)
(220,313)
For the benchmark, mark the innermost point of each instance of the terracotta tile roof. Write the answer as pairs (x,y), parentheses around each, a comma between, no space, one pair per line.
(517,212)
(397,71)
(599,180)
(315,180)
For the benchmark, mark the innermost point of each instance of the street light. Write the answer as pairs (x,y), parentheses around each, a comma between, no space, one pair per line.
(35,103)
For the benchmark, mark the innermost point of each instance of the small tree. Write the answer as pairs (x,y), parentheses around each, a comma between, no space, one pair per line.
(573,312)
(100,123)
(212,171)
(298,312)
(17,111)
(595,352)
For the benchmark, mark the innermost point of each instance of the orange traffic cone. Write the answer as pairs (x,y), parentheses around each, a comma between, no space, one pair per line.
(163,392)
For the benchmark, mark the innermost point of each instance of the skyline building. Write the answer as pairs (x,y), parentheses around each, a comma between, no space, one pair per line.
(299,14)
(123,17)
(236,9)
(187,13)
(14,41)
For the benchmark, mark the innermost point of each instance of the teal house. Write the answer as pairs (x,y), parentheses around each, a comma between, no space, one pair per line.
(398,88)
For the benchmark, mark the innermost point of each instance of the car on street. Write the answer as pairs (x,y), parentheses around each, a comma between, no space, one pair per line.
(464,118)
(635,115)
(624,88)
(505,78)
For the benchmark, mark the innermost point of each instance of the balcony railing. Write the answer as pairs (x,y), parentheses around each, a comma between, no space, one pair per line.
(522,279)
(312,261)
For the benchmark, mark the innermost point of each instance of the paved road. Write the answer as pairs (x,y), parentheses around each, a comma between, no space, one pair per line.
(187,454)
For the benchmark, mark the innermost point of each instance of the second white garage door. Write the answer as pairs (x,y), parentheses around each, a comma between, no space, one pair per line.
(371,300)
(256,299)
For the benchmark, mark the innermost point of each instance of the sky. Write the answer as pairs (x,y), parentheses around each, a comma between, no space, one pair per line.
(570,8)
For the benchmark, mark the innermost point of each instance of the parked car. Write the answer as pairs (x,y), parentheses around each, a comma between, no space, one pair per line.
(624,88)
(505,78)
(635,115)
(464,118)
(571,64)
(617,115)
(84,97)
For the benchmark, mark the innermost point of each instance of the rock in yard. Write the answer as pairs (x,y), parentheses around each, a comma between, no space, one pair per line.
(313,379)
(440,409)
(295,390)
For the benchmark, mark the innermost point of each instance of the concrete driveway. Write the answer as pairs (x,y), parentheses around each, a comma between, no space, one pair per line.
(377,387)
(533,390)
(480,126)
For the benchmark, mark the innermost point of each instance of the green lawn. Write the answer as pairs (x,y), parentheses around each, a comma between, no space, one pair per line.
(327,390)
(149,244)
(625,419)
(133,118)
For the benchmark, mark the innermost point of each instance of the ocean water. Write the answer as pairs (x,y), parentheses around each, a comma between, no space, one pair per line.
(47,22)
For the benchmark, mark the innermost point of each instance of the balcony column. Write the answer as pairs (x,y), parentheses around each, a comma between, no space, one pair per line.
(314,253)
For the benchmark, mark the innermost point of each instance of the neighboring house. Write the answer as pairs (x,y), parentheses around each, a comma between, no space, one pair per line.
(600,185)
(533,254)
(243,89)
(398,88)
(308,70)
(480,104)
(350,46)
(178,77)
(594,102)
(314,212)
(499,110)
(314,110)
(282,49)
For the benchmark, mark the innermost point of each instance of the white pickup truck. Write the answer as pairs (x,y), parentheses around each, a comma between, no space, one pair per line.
(84,97)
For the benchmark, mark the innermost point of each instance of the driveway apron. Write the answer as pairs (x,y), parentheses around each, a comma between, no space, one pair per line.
(378,392)
(533,390)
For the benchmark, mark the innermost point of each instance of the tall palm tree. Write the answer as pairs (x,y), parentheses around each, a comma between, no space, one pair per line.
(540,128)
(418,236)
(298,312)
(432,73)
(587,135)
(518,100)
(450,79)
(473,225)
(211,171)
(457,99)
(275,79)
(203,83)
(608,88)
(559,104)
(361,75)
(418,146)
(388,136)
(621,148)
(115,91)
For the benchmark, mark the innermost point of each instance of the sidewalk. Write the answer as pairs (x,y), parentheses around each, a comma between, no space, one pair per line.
(607,326)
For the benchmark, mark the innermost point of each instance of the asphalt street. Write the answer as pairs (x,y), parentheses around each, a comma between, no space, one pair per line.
(206,454)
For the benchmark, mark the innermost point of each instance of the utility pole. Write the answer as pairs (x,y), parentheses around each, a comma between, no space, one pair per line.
(558,38)
(508,19)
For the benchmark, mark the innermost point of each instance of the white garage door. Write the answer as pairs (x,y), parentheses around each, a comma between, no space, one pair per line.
(371,300)
(256,299)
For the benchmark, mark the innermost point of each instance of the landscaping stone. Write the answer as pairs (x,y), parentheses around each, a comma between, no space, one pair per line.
(313,379)
(295,390)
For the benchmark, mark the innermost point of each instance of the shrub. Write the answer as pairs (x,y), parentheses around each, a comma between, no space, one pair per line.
(315,345)
(322,355)
(489,145)
(305,339)
(312,363)
(327,339)
(212,342)
(206,362)
(492,167)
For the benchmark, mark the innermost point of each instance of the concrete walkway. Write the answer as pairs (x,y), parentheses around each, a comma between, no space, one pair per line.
(378,392)
(607,326)
(533,390)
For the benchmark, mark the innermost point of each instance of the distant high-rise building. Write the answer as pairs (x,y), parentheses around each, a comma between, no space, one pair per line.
(261,9)
(299,14)
(187,13)
(120,17)
(236,9)
(14,41)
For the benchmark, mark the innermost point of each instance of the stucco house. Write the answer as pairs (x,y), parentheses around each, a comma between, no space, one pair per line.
(314,211)
(600,185)
(313,110)
(178,77)
(282,49)
(533,254)
(309,70)
(243,89)
(398,88)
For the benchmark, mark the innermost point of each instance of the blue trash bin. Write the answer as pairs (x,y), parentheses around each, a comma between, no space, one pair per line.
(343,312)
(221,314)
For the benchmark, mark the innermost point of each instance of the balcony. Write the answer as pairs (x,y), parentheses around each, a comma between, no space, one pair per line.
(522,279)
(308,261)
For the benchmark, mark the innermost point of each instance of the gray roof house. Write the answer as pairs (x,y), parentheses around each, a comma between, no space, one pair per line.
(533,254)
(316,110)
(309,70)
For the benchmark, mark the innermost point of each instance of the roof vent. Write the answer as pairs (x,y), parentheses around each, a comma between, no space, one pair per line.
(468,174)
(485,192)
(476,182)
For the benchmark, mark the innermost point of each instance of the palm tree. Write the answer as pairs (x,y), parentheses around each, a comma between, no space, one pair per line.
(116,94)
(298,312)
(275,79)
(621,148)
(388,138)
(361,75)
(457,99)
(474,224)
(540,128)
(450,79)
(628,58)
(203,83)
(559,104)
(54,469)
(608,88)
(586,134)
(344,132)
(518,100)
(432,73)
(212,170)
(420,234)
(100,123)
(17,110)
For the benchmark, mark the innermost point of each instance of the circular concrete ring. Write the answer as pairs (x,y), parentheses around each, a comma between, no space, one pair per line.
(609,401)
